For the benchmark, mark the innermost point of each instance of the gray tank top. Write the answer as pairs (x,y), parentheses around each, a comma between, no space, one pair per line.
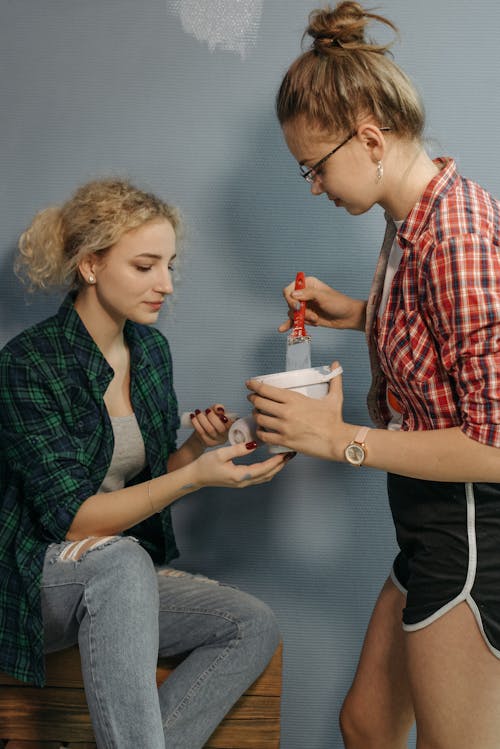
(129,455)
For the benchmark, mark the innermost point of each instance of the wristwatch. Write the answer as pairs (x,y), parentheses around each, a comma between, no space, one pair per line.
(355,452)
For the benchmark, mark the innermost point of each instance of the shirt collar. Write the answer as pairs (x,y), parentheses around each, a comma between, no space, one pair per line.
(83,345)
(86,350)
(417,220)
(138,355)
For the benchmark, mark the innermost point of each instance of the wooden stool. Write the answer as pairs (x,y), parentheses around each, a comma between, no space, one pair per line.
(58,712)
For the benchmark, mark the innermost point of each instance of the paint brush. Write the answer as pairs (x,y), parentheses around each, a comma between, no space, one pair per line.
(298,343)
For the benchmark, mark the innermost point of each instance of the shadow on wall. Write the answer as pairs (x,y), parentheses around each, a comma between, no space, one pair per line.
(277,227)
(294,542)
(272,218)
(273,227)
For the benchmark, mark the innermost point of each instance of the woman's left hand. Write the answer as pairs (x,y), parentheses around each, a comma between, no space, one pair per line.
(211,425)
(313,426)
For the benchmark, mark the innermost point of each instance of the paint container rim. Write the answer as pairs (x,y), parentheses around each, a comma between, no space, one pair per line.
(300,377)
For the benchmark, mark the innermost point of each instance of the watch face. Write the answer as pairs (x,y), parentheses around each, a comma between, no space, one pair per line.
(355,454)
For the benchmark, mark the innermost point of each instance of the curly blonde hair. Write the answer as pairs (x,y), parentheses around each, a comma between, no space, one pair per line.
(345,76)
(93,220)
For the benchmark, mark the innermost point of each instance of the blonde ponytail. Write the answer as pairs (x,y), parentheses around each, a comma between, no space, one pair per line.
(40,261)
(91,222)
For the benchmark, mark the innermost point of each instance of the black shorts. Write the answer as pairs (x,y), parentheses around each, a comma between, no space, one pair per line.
(449,536)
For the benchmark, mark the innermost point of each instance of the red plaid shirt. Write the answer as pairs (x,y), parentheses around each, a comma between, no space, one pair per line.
(439,336)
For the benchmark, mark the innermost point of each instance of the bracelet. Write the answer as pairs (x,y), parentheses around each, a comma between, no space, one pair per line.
(150,500)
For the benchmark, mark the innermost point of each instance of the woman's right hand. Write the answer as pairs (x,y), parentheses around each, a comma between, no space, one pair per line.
(216,467)
(325,306)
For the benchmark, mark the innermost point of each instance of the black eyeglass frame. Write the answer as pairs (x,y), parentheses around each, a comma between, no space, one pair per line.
(311,173)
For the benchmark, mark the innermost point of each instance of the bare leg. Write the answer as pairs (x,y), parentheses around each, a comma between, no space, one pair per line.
(455,681)
(377,712)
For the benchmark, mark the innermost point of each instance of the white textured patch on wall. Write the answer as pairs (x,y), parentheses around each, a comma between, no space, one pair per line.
(231,25)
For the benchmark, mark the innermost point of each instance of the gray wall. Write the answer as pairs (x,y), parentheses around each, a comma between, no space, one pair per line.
(166,93)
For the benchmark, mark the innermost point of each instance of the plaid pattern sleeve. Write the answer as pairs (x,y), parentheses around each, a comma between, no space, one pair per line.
(439,336)
(56,444)
(39,446)
(464,301)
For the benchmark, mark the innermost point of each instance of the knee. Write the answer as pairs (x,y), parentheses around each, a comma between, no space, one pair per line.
(261,623)
(127,555)
(121,567)
(271,629)
(365,725)
(354,726)
(130,565)
(110,550)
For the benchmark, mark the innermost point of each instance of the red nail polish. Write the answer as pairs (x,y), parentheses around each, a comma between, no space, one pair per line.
(197,411)
(191,416)
(223,418)
(207,410)
(288,456)
(220,408)
(251,445)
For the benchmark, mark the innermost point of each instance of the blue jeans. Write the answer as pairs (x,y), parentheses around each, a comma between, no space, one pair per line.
(123,612)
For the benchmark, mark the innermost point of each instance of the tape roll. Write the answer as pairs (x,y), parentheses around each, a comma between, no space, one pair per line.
(243,430)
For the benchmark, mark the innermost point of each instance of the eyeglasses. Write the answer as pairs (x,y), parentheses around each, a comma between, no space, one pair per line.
(311,173)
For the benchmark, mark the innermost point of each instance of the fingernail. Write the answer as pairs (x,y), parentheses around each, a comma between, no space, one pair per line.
(288,456)
(191,416)
(220,408)
(223,418)
(197,412)
(251,445)
(207,410)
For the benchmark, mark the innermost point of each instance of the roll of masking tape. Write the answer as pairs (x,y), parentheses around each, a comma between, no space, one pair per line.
(243,430)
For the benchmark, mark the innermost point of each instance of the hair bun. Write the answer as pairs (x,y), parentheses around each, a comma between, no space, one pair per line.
(344,78)
(343,27)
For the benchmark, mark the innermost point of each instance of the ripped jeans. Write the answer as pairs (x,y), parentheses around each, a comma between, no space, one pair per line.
(123,612)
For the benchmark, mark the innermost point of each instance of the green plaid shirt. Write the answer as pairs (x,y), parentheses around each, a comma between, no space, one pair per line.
(56,444)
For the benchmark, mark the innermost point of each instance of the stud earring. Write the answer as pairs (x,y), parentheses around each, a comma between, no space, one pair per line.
(91,278)
(380,171)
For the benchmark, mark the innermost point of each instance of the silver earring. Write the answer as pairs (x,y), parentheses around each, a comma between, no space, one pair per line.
(380,171)
(91,278)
